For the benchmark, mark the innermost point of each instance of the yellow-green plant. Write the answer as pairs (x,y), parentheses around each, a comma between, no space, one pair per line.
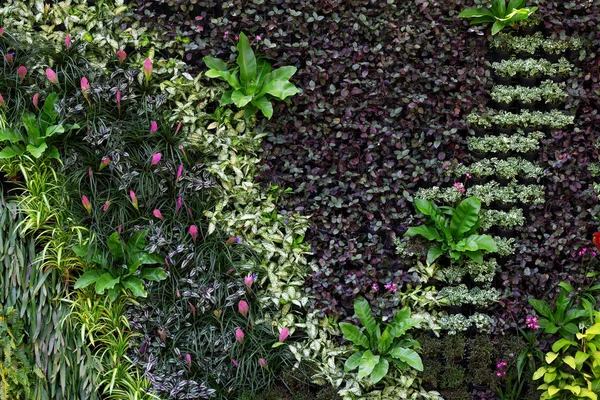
(15,366)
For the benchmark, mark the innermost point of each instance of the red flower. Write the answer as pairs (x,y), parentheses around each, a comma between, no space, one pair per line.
(596,240)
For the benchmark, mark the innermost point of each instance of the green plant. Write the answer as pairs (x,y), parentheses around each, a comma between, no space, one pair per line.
(38,131)
(500,13)
(15,366)
(123,271)
(375,350)
(454,229)
(573,366)
(254,84)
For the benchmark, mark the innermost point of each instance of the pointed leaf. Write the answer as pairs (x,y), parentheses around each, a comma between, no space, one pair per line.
(264,105)
(353,334)
(87,279)
(476,256)
(280,89)
(428,232)
(465,217)
(385,341)
(105,281)
(425,207)
(353,362)
(380,370)
(137,241)
(116,247)
(226,98)
(434,253)
(368,361)
(37,151)
(484,242)
(246,60)
(136,286)
(215,63)
(541,307)
(153,274)
(475,12)
(408,356)
(240,99)
(363,312)
(497,27)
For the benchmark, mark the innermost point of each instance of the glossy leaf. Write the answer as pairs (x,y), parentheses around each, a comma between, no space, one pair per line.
(363,312)
(136,286)
(465,217)
(153,274)
(353,362)
(368,361)
(380,370)
(105,281)
(116,247)
(353,334)
(408,356)
(87,279)
(246,60)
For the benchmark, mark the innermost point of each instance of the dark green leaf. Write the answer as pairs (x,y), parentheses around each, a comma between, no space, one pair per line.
(105,281)
(353,334)
(465,217)
(542,308)
(137,241)
(37,151)
(246,60)
(353,362)
(12,151)
(87,279)
(116,247)
(475,12)
(136,286)
(434,253)
(409,356)
(363,312)
(428,232)
(153,274)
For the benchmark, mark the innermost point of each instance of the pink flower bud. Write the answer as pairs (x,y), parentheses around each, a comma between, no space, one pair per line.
(86,204)
(119,229)
(105,161)
(179,172)
(189,211)
(239,335)
(121,56)
(22,72)
(243,308)
(188,360)
(9,58)
(236,364)
(157,214)
(85,85)
(1,31)
(2,102)
(51,75)
(163,335)
(178,128)
(284,334)
(68,42)
(194,232)
(147,69)
(35,100)
(178,205)
(156,158)
(262,362)
(106,205)
(153,127)
(192,308)
(134,199)
(249,280)
(258,38)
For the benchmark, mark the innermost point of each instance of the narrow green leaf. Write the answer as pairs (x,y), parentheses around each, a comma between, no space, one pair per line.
(12,151)
(475,12)
(428,232)
(363,312)
(246,60)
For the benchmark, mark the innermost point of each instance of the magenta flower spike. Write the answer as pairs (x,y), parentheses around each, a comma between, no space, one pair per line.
(22,73)
(178,127)
(235,362)
(36,100)
(156,159)
(134,199)
(243,308)
(194,232)
(147,69)
(121,56)
(178,205)
(179,172)
(105,161)
(239,335)
(262,362)
(86,204)
(106,205)
(188,360)
(85,85)
(2,102)
(157,213)
(153,127)
(51,75)
(284,334)
(68,41)
(249,280)
(90,173)
(1,31)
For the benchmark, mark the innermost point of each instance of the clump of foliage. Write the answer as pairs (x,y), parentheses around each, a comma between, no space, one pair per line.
(16,372)
(501,14)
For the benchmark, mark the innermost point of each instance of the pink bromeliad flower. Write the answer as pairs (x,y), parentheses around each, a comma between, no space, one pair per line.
(147,69)
(194,232)
(179,172)
(22,73)
(86,204)
(178,205)
(153,127)
(51,75)
(157,214)
(239,335)
(2,102)
(284,334)
(36,100)
(121,56)
(105,161)
(243,308)
(156,158)
(106,205)
(68,42)
(134,199)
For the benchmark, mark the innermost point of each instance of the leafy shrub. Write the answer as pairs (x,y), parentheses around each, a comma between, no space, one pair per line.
(16,372)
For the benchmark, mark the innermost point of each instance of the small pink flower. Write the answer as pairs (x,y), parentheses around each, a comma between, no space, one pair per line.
(35,100)
(147,69)
(85,85)
(9,58)
(178,127)
(90,174)
(21,72)
(225,34)
(134,199)
(243,308)
(258,38)
(235,363)
(236,37)
(179,172)
(106,205)
(105,161)
(51,75)
(157,214)
(153,127)
(262,362)
(156,158)
(532,322)
(239,335)
(188,360)
(284,334)
(459,186)
(1,31)
(194,232)
(2,102)
(249,280)
(86,204)
(375,287)
(468,175)
(178,205)
(119,229)
(121,56)
(119,100)
(68,42)
(391,287)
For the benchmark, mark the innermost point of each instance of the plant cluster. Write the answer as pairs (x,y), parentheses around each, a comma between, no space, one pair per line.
(501,14)
(460,295)
(511,167)
(553,119)
(548,91)
(532,68)
(504,219)
(518,143)
(533,43)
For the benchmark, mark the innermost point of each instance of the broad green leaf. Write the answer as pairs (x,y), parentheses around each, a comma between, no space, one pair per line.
(87,278)
(580,358)
(570,328)
(280,89)
(385,341)
(12,151)
(566,286)
(226,98)
(409,356)
(562,344)
(593,330)
(475,12)
(363,312)
(380,370)
(280,74)
(246,60)
(153,274)
(501,8)
(136,286)
(37,151)
(476,256)
(135,260)
(465,217)
(353,334)
(80,251)
(425,207)
(587,393)
(52,152)
(539,373)
(137,241)
(482,20)
(115,246)
(515,4)
(402,322)
(574,389)
(232,79)
(54,129)
(49,113)
(434,253)
(541,307)
(113,293)
(368,361)
(484,242)
(105,281)
(570,361)
(264,105)
(213,73)
(31,126)
(552,390)
(561,306)
(263,69)
(215,63)
(240,99)
(497,27)
(10,134)
(428,232)
(550,357)
(353,362)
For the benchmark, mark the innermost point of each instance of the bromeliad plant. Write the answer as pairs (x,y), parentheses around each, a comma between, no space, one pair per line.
(37,132)
(124,269)
(454,230)
(375,350)
(500,13)
(253,83)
